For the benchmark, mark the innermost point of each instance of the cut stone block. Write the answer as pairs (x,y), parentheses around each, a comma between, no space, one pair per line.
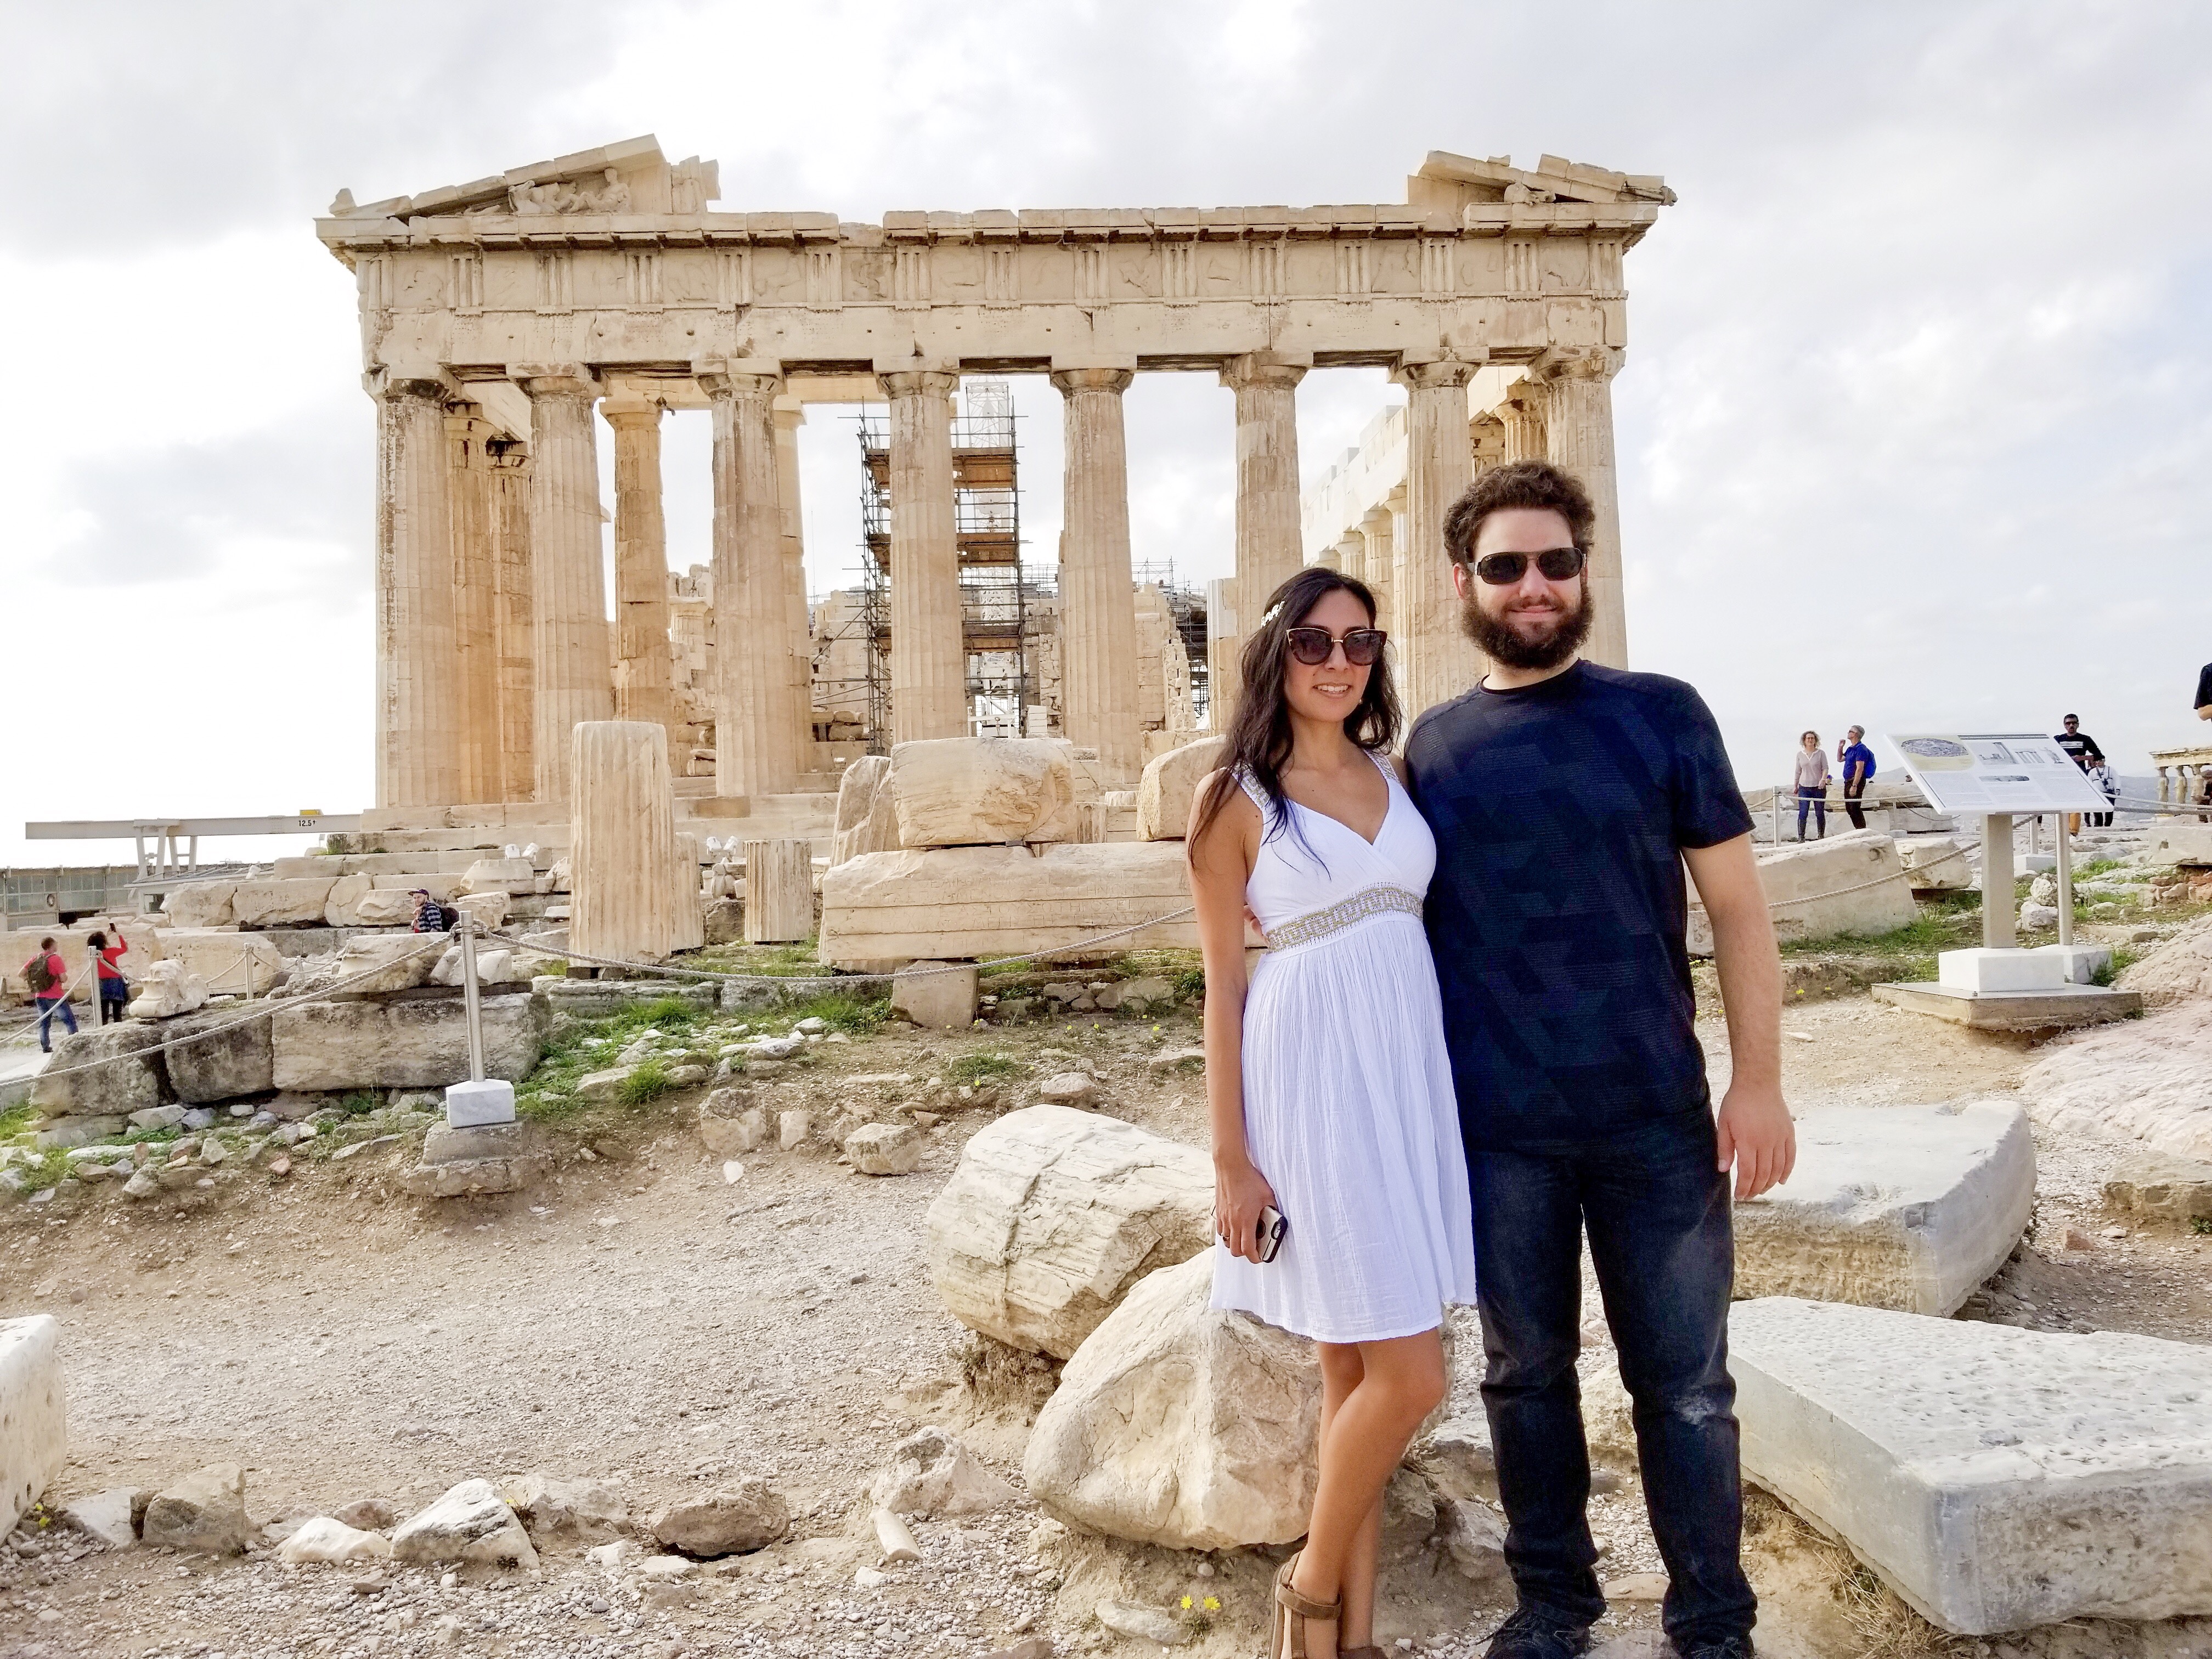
(2143,1081)
(2079,963)
(1996,1478)
(1182,1426)
(937,994)
(1983,970)
(122,1074)
(2178,843)
(2177,1189)
(280,903)
(623,841)
(367,905)
(964,903)
(885,1149)
(16,949)
(514,875)
(407,1043)
(973,791)
(238,1061)
(33,1436)
(2178,969)
(1910,1207)
(1821,888)
(1170,782)
(866,821)
(1051,1217)
(1936,864)
(391,961)
(232,964)
(199,904)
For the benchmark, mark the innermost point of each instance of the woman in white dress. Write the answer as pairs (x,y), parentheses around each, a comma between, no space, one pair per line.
(1327,1084)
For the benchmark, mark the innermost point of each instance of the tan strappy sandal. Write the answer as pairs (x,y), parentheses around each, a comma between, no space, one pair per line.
(1286,1635)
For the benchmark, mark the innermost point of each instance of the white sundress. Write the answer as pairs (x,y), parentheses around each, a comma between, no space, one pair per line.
(1349,1111)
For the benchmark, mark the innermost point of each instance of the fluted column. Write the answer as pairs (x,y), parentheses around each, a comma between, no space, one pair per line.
(1521,415)
(1580,429)
(418,748)
(929,660)
(622,841)
(1438,661)
(643,671)
(798,645)
(1268,543)
(1099,601)
(752,693)
(1394,505)
(1374,566)
(476,601)
(575,678)
(515,610)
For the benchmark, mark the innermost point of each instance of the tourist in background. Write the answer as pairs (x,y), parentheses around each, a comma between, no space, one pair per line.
(1328,1088)
(2082,749)
(2204,692)
(1857,763)
(1812,783)
(2108,785)
(114,990)
(1566,800)
(47,976)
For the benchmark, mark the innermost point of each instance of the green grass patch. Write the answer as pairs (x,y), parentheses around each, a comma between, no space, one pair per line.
(1950,922)
(2201,1225)
(360,1102)
(792,961)
(2123,960)
(649,1080)
(2095,867)
(985,1068)
(19,1120)
(855,1012)
(43,1169)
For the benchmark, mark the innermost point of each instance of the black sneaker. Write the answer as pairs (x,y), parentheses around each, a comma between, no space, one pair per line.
(1729,1647)
(1537,1633)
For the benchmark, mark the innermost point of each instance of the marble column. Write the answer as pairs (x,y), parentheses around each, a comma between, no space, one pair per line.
(1437,660)
(753,726)
(476,601)
(1374,566)
(798,640)
(515,581)
(1097,596)
(929,659)
(1521,415)
(1579,426)
(1269,544)
(575,681)
(418,684)
(1394,505)
(643,671)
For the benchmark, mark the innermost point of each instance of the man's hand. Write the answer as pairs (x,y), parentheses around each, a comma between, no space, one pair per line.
(1756,1136)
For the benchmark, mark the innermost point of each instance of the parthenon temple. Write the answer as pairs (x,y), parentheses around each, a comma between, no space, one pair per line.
(498,317)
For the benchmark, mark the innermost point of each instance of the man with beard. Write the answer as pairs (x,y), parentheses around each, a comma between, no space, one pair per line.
(1566,798)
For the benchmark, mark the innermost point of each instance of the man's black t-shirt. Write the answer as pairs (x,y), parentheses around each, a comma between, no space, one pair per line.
(2076,745)
(2204,689)
(1559,904)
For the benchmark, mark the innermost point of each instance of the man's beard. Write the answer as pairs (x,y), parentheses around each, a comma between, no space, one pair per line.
(1500,641)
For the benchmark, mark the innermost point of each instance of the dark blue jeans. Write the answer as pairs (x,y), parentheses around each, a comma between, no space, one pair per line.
(1657,1210)
(48,1007)
(1814,797)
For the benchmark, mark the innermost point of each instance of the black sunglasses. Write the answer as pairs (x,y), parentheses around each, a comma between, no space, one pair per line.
(1558,564)
(1363,647)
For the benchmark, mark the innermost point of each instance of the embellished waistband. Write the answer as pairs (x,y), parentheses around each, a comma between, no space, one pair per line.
(1320,924)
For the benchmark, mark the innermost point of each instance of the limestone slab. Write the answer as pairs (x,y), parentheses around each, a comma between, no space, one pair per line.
(270,904)
(378,963)
(1910,1207)
(1182,1426)
(1849,884)
(236,1058)
(1935,863)
(2177,1189)
(34,1430)
(242,964)
(407,1043)
(965,902)
(1053,1215)
(198,903)
(103,1071)
(2179,969)
(867,819)
(2012,1010)
(971,792)
(1996,1478)
(936,994)
(1170,784)
(2143,1081)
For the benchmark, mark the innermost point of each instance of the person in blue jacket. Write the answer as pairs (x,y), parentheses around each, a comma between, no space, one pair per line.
(1856,762)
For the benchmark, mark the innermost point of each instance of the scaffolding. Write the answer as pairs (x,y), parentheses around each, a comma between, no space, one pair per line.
(1000,619)
(1186,604)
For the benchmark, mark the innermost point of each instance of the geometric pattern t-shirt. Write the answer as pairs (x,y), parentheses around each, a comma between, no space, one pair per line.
(1560,907)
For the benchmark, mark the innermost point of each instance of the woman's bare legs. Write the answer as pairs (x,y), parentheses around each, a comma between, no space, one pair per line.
(1374,1396)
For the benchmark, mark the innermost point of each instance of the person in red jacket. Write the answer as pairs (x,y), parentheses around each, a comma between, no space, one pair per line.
(114,990)
(47,975)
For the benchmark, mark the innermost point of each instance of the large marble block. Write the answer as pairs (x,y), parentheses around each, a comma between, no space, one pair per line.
(1996,1478)
(964,792)
(958,903)
(270,904)
(33,1437)
(1170,781)
(411,1042)
(198,903)
(1053,1214)
(231,962)
(235,1060)
(866,821)
(1847,883)
(1910,1207)
(2139,1080)
(103,1071)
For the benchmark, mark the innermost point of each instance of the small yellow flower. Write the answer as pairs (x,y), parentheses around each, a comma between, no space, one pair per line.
(1186,1604)
(1214,1604)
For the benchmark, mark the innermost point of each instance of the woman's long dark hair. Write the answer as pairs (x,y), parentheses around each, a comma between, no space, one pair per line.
(1259,737)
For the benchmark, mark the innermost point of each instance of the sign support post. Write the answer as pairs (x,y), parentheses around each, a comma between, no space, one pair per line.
(1998,918)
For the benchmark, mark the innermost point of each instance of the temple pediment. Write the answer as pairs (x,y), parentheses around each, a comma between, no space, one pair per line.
(1551,179)
(627,178)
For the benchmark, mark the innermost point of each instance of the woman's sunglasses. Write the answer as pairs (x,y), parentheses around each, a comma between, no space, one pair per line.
(1363,647)
(1558,565)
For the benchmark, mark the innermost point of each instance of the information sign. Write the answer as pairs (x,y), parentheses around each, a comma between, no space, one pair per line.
(1977,773)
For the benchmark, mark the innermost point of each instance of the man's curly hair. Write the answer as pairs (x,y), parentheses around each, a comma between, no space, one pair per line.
(1522,484)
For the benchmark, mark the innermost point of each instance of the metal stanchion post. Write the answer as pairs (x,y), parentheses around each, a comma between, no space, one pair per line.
(468,994)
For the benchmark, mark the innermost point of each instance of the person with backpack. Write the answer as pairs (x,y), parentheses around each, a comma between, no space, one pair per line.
(432,917)
(114,989)
(48,977)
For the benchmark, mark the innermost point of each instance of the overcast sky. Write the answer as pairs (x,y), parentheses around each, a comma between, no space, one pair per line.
(1912,431)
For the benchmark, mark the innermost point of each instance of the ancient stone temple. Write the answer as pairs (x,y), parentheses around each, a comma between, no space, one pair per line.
(497,316)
